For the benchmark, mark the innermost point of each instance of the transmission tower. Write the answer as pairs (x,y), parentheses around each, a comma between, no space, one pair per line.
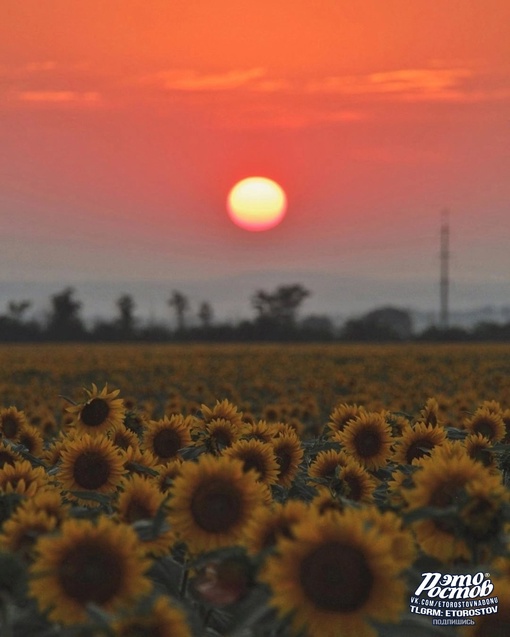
(444,279)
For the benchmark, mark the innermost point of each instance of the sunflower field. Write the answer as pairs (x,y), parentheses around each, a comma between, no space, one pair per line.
(254,490)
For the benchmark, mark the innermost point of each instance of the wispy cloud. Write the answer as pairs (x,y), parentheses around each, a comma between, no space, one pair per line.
(405,84)
(190,80)
(58,97)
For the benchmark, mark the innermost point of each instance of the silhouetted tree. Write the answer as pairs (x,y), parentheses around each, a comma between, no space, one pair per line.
(126,320)
(16,309)
(205,314)
(279,307)
(382,324)
(64,322)
(180,304)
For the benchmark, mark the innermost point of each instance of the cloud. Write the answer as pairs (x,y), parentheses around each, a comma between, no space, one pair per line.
(189,80)
(58,97)
(405,84)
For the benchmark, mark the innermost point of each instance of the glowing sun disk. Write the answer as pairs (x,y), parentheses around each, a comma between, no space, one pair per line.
(256,203)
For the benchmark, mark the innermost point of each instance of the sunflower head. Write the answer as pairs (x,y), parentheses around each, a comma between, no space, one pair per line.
(367,439)
(166,437)
(430,414)
(88,563)
(417,441)
(11,422)
(336,575)
(91,464)
(341,416)
(272,523)
(289,454)
(487,422)
(101,412)
(256,456)
(212,500)
(22,478)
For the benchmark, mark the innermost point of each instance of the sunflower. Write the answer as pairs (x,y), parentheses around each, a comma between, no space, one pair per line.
(8,455)
(167,474)
(271,523)
(479,448)
(165,437)
(162,620)
(289,454)
(482,516)
(259,430)
(336,576)
(22,478)
(224,410)
(430,413)
(441,482)
(272,413)
(48,501)
(217,435)
(368,439)
(340,416)
(417,441)
(138,460)
(487,422)
(353,482)
(21,531)
(326,463)
(101,412)
(123,437)
(88,563)
(11,421)
(258,456)
(326,501)
(212,500)
(140,499)
(31,439)
(90,463)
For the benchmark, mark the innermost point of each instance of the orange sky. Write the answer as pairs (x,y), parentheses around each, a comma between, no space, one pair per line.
(123,124)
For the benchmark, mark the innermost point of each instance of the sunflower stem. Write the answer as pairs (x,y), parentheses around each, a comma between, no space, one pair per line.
(5,617)
(184,580)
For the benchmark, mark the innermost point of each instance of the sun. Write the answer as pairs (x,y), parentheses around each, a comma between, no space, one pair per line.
(257,203)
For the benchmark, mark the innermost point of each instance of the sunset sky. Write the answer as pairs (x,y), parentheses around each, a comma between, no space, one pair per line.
(123,125)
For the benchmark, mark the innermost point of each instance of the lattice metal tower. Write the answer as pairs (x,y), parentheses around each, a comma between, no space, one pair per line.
(444,280)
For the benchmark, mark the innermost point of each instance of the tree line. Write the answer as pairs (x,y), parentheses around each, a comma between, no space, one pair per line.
(276,318)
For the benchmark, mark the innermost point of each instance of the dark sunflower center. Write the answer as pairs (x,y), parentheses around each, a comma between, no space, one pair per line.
(91,573)
(167,443)
(418,449)
(444,497)
(6,458)
(222,436)
(137,511)
(368,442)
(481,454)
(95,412)
(486,427)
(28,442)
(91,470)
(284,459)
(10,426)
(354,487)
(216,506)
(336,578)
(255,461)
(327,470)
